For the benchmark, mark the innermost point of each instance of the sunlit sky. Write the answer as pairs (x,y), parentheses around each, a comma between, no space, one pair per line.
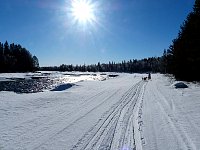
(115,30)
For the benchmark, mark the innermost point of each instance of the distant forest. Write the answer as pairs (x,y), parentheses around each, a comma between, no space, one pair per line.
(15,58)
(152,64)
(182,58)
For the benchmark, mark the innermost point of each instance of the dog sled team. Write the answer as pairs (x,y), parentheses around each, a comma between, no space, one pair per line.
(147,78)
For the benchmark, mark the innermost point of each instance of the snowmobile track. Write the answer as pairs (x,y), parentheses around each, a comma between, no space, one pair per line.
(102,134)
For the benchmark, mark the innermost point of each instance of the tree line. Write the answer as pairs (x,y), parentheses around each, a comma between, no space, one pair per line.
(152,64)
(182,58)
(15,58)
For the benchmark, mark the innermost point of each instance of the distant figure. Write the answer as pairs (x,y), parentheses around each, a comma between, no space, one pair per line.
(149,76)
(144,78)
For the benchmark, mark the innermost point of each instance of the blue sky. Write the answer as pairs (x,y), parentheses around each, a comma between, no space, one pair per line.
(124,29)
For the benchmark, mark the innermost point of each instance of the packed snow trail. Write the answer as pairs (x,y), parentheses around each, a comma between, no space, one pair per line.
(171,117)
(90,115)
(115,129)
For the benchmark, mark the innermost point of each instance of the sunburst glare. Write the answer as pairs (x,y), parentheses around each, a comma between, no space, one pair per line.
(83,11)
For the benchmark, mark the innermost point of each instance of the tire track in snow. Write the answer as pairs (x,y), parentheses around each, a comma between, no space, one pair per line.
(104,135)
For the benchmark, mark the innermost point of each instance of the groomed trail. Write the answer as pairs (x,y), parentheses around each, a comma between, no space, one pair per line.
(122,113)
(115,129)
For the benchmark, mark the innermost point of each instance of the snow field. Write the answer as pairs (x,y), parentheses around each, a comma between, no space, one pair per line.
(122,113)
(170,118)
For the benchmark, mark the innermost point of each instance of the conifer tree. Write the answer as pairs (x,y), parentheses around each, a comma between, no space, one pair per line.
(186,47)
(14,58)
(35,63)
(6,48)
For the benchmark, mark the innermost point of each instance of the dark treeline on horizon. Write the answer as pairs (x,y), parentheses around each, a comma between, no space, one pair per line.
(182,58)
(15,58)
(152,64)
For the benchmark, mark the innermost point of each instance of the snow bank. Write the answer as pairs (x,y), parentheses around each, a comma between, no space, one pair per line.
(180,85)
(62,87)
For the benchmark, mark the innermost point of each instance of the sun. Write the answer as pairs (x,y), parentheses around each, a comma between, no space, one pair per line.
(83,11)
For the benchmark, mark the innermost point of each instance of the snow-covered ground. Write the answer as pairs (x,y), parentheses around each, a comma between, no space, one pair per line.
(102,113)
(68,77)
(171,117)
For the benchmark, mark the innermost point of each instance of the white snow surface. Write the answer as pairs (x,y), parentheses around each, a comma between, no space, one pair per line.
(122,113)
(67,77)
